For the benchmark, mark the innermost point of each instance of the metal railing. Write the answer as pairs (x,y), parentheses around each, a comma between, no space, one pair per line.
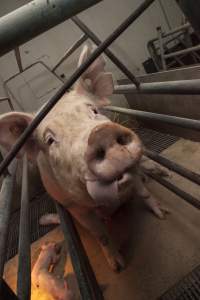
(86,279)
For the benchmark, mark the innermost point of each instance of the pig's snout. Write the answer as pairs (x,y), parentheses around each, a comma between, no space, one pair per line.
(112,151)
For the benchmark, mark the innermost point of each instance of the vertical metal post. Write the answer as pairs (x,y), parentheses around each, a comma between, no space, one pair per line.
(88,285)
(162,54)
(18,59)
(5,210)
(24,250)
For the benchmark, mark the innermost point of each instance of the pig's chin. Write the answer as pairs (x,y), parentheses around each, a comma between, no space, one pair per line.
(108,193)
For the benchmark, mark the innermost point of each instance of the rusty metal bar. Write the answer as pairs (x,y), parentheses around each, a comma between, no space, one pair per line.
(178,87)
(6,195)
(24,249)
(108,52)
(173,166)
(52,102)
(148,116)
(71,50)
(88,285)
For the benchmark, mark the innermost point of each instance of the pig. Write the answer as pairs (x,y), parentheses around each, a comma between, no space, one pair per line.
(87,163)
(42,277)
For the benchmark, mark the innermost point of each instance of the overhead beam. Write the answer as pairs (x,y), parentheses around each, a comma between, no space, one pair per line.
(36,17)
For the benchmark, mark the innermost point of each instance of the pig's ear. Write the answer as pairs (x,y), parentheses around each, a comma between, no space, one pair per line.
(12,126)
(95,80)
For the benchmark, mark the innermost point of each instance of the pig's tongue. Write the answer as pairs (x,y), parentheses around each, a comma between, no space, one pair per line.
(104,194)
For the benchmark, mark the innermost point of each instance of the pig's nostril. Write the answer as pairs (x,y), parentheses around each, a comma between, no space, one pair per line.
(100,153)
(123,139)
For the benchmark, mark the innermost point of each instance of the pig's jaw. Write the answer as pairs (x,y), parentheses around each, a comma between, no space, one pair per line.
(107,194)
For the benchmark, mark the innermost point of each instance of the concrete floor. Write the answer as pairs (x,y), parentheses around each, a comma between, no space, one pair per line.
(158,253)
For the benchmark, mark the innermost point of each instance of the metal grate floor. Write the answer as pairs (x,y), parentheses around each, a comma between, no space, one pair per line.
(187,289)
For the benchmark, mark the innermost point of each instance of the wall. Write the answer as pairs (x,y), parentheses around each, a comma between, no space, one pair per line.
(102,19)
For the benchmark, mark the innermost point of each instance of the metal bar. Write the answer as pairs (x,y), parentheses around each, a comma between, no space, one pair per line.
(184,51)
(88,285)
(18,59)
(187,197)
(178,87)
(180,28)
(164,14)
(108,52)
(171,165)
(6,293)
(44,111)
(36,17)
(162,54)
(9,102)
(148,116)
(71,50)
(5,207)
(24,250)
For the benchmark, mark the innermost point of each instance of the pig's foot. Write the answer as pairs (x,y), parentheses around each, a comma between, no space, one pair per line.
(49,219)
(154,205)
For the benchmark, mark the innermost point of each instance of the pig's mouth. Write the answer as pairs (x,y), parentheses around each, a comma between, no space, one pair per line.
(107,193)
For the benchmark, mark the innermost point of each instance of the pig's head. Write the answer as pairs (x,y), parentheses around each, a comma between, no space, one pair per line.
(76,145)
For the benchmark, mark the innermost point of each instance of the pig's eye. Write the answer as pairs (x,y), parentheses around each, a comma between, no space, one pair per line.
(95,111)
(49,140)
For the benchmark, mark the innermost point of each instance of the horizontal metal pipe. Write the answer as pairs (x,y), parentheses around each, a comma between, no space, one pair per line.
(36,17)
(178,87)
(52,102)
(180,28)
(24,249)
(88,285)
(148,116)
(184,51)
(171,165)
(6,196)
(108,52)
(71,50)
(187,197)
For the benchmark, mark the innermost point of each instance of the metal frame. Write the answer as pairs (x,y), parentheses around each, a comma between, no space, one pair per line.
(86,278)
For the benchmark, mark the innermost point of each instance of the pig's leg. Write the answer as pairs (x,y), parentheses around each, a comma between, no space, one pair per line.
(91,221)
(152,203)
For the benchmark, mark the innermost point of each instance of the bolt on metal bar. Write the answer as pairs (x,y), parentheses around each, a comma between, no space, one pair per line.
(24,249)
(184,51)
(6,293)
(171,120)
(108,52)
(162,53)
(6,195)
(178,87)
(71,50)
(88,285)
(187,197)
(44,111)
(36,17)
(171,165)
